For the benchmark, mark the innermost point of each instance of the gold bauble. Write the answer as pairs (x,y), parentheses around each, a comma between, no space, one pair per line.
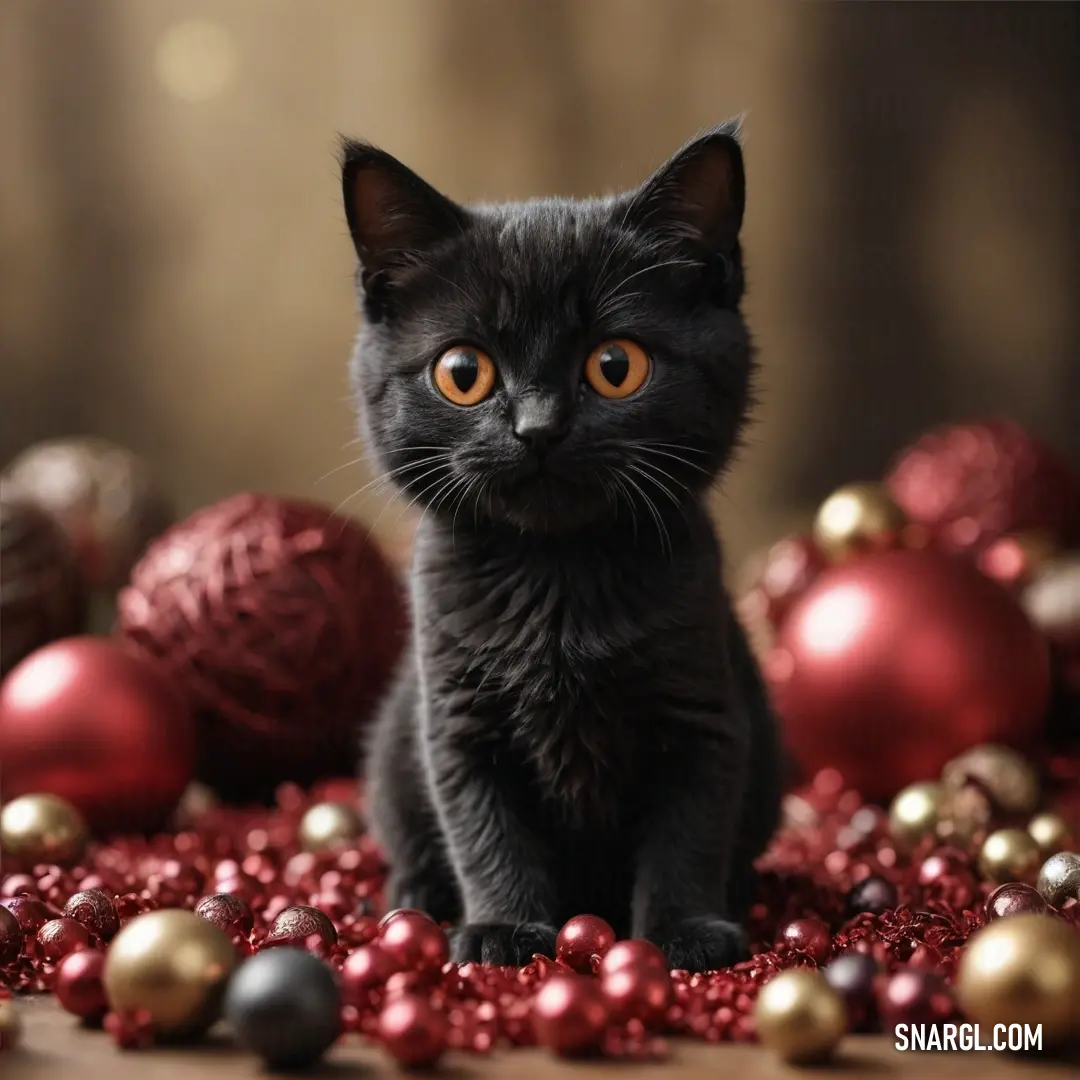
(1051,832)
(800,1016)
(1059,878)
(10,1024)
(329,825)
(42,829)
(1009,778)
(913,814)
(1009,855)
(965,814)
(172,964)
(1023,970)
(857,518)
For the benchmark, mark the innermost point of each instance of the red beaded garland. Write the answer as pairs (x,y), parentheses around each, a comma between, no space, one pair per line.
(582,938)
(570,1014)
(78,984)
(94,909)
(366,969)
(412,1030)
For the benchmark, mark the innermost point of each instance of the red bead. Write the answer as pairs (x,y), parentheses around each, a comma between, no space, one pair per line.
(415,943)
(570,1014)
(365,969)
(582,938)
(412,1031)
(58,937)
(303,927)
(227,912)
(11,937)
(853,976)
(633,953)
(31,914)
(810,937)
(78,984)
(874,894)
(946,876)
(641,993)
(402,912)
(95,911)
(1014,898)
(912,996)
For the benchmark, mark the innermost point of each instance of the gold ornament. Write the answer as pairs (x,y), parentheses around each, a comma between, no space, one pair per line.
(965,814)
(10,1024)
(914,813)
(1009,855)
(1059,878)
(1023,970)
(1051,832)
(42,829)
(329,825)
(1008,776)
(800,1016)
(172,964)
(857,518)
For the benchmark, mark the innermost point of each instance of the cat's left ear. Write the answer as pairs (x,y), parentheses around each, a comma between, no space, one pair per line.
(699,194)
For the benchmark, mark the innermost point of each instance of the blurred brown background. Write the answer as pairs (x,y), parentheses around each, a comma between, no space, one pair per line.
(175,271)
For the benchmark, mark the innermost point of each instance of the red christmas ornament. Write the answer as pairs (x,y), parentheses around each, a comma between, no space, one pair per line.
(282,624)
(810,937)
(641,993)
(570,1014)
(94,909)
(971,483)
(304,927)
(78,984)
(227,912)
(1014,898)
(854,976)
(633,953)
(11,937)
(914,996)
(892,664)
(402,912)
(365,969)
(415,943)
(30,913)
(58,937)
(946,876)
(874,894)
(582,938)
(413,1032)
(84,720)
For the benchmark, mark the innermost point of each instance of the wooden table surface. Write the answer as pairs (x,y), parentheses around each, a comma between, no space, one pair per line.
(54,1047)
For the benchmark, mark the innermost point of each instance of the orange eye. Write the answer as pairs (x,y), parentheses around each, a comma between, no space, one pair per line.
(617,368)
(464,376)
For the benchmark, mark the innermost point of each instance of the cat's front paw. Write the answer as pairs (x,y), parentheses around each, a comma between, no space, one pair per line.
(501,943)
(704,944)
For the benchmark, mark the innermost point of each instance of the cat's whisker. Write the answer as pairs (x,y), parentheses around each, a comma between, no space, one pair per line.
(613,294)
(674,457)
(647,464)
(661,528)
(383,481)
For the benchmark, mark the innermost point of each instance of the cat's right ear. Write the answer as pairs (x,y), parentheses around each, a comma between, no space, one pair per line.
(394,217)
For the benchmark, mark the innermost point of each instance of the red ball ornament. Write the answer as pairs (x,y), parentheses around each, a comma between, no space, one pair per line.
(412,1030)
(892,664)
(810,937)
(854,976)
(641,993)
(633,953)
(58,937)
(969,484)
(402,912)
(789,568)
(30,913)
(78,984)
(94,909)
(914,996)
(582,938)
(947,877)
(105,730)
(1014,898)
(11,937)
(303,927)
(227,912)
(281,622)
(874,894)
(365,969)
(415,943)
(570,1014)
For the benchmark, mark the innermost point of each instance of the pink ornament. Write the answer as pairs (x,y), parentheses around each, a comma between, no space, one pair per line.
(569,1015)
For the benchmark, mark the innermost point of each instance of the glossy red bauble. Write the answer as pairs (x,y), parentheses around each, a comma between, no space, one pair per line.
(415,943)
(365,969)
(84,720)
(412,1030)
(570,1014)
(94,909)
(582,938)
(641,993)
(78,984)
(894,663)
(1014,898)
(810,937)
(633,953)
(58,937)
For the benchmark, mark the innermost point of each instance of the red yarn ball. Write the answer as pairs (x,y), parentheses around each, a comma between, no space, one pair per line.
(582,938)
(78,984)
(969,484)
(894,663)
(58,937)
(94,909)
(365,969)
(11,937)
(808,936)
(639,993)
(105,730)
(227,912)
(281,622)
(415,943)
(1014,898)
(633,953)
(914,996)
(412,1030)
(570,1014)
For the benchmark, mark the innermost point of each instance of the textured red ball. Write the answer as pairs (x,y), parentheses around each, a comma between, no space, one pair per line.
(365,969)
(412,1030)
(105,730)
(281,622)
(58,937)
(30,913)
(415,943)
(227,912)
(641,993)
(633,953)
(570,1014)
(808,936)
(94,909)
(582,938)
(969,484)
(1014,898)
(11,937)
(303,927)
(892,664)
(78,984)
(914,996)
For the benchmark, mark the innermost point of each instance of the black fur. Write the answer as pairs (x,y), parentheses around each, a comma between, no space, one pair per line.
(578,725)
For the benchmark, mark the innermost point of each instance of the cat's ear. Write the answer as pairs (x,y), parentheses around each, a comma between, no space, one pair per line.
(699,194)
(394,217)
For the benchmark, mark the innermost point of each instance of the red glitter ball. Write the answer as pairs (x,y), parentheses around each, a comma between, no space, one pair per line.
(365,969)
(638,993)
(810,937)
(78,984)
(94,909)
(227,912)
(58,937)
(1014,898)
(282,623)
(570,1014)
(415,943)
(582,938)
(412,1031)
(632,953)
(302,926)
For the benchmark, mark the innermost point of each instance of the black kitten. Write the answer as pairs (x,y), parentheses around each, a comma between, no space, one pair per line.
(579,725)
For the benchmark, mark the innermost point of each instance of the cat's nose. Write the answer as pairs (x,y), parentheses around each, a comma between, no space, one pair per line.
(540,420)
